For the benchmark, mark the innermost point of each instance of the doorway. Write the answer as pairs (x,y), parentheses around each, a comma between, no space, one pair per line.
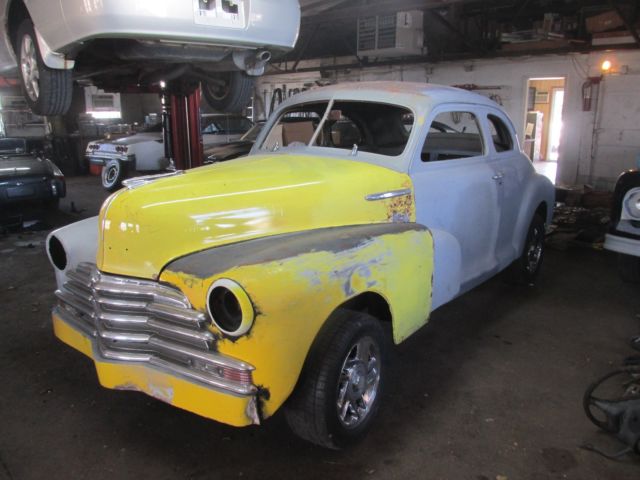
(543,125)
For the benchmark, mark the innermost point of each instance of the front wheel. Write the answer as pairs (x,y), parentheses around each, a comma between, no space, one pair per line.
(339,391)
(112,175)
(47,90)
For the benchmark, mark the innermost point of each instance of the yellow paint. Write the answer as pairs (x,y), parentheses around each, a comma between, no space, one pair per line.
(295,296)
(145,228)
(168,388)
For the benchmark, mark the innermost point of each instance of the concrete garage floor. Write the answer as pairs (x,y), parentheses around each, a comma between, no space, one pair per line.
(491,388)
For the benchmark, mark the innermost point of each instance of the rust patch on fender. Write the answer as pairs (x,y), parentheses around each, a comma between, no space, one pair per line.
(399,209)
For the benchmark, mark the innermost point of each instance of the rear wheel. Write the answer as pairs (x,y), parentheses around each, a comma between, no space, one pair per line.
(629,268)
(339,391)
(47,90)
(525,269)
(231,93)
(112,175)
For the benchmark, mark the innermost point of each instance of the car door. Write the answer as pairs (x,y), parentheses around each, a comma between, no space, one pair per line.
(457,198)
(510,169)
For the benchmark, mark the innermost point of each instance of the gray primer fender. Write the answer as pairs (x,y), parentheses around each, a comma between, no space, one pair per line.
(80,242)
(539,190)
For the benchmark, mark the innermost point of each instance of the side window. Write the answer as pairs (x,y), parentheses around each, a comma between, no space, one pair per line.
(502,139)
(452,136)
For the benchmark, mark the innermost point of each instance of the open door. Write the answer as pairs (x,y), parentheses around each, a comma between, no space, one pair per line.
(543,124)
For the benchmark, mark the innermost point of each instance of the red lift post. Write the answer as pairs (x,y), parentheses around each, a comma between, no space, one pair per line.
(182,137)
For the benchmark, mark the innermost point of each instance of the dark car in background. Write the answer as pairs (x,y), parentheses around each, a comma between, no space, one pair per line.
(237,148)
(26,176)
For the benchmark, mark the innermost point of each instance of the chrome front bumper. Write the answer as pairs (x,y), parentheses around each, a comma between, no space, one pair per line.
(144,322)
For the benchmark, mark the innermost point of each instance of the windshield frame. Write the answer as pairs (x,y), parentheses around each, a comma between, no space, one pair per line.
(399,162)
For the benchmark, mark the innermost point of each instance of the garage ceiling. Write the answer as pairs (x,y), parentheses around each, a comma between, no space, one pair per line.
(455,29)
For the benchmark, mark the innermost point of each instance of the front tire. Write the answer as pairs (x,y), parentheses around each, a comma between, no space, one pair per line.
(339,391)
(231,95)
(47,90)
(112,175)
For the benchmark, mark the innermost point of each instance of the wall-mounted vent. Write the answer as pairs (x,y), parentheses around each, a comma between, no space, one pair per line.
(395,35)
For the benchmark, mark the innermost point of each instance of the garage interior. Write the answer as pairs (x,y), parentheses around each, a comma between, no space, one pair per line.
(492,387)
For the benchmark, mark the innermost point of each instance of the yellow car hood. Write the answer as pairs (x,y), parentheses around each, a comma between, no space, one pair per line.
(145,227)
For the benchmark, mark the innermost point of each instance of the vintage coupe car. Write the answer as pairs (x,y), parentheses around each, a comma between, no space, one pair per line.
(624,235)
(237,288)
(144,152)
(118,44)
(27,176)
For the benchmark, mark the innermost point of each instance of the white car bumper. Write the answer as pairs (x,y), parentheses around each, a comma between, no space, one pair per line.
(257,23)
(628,246)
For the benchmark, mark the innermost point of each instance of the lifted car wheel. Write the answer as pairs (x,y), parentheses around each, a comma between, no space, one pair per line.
(231,94)
(629,268)
(112,175)
(525,269)
(47,90)
(339,391)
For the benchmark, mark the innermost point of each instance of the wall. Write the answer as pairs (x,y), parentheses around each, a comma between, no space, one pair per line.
(581,161)
(134,106)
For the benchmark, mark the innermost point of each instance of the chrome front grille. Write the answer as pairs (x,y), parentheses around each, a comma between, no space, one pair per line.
(135,320)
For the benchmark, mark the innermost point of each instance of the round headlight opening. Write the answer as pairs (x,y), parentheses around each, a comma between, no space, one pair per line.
(230,308)
(57,253)
(225,309)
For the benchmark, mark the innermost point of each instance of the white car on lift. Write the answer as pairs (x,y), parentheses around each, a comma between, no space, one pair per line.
(116,44)
(144,152)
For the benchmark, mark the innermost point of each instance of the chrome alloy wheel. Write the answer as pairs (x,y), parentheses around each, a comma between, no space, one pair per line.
(358,383)
(29,67)
(534,250)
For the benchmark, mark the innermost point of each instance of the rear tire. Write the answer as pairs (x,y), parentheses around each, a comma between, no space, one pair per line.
(339,391)
(629,268)
(112,175)
(231,97)
(526,268)
(47,90)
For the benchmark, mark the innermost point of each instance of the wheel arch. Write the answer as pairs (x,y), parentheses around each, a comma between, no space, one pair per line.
(370,302)
(537,199)
(16,12)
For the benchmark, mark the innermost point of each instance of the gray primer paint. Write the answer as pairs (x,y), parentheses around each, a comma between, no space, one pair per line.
(278,247)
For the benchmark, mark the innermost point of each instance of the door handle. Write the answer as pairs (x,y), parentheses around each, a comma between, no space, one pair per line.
(498,176)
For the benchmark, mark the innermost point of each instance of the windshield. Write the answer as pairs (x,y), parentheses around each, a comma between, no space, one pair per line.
(372,127)
(225,125)
(12,146)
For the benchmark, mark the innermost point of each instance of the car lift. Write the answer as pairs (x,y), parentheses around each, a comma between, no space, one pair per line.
(181,129)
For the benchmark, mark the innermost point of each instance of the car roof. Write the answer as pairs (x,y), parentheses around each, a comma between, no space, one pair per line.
(403,93)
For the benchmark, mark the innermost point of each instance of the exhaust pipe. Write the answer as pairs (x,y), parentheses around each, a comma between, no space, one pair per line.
(253,63)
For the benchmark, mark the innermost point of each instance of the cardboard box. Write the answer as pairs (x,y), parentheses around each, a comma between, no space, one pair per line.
(604,22)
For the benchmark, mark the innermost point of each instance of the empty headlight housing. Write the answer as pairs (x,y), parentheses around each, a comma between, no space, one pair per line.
(57,253)
(632,204)
(230,308)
